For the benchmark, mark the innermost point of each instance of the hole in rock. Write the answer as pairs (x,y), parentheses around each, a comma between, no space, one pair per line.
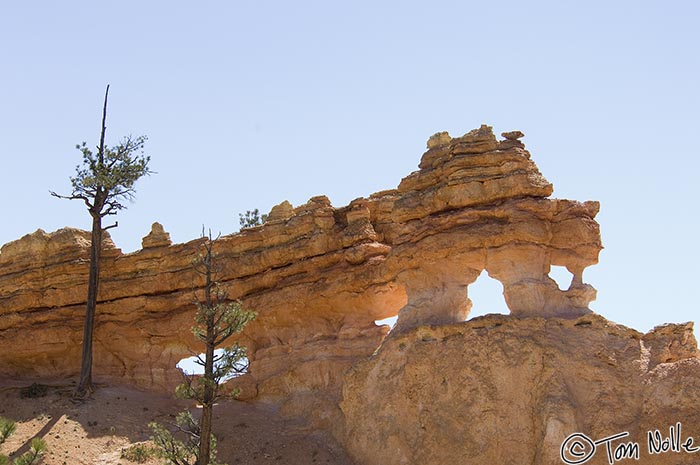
(391,321)
(561,276)
(191,366)
(486,295)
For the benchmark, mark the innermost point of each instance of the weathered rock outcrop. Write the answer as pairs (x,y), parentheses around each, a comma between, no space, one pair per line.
(318,276)
(496,389)
(502,390)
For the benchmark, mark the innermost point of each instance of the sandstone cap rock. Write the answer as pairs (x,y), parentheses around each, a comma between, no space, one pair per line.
(156,238)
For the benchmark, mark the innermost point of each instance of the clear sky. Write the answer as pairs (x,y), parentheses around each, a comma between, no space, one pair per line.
(248,103)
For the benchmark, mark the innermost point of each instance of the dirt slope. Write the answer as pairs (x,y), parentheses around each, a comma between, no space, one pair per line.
(97,431)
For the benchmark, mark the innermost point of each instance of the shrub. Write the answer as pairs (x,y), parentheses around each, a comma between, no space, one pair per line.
(139,453)
(7,427)
(251,218)
(35,390)
(32,456)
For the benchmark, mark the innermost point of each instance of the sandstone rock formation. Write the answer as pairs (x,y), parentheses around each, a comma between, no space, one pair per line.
(502,390)
(496,389)
(318,276)
(156,238)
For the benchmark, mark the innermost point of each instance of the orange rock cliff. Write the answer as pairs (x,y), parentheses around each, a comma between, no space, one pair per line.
(320,276)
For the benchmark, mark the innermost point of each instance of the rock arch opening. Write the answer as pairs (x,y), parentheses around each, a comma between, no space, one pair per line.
(562,276)
(391,321)
(486,295)
(192,366)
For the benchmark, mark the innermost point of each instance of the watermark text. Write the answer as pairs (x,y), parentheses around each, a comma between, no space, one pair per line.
(578,448)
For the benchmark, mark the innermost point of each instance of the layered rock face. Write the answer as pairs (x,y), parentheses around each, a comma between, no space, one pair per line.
(503,390)
(479,204)
(437,390)
(318,276)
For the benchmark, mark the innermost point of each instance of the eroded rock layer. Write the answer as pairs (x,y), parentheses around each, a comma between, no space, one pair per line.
(503,390)
(318,276)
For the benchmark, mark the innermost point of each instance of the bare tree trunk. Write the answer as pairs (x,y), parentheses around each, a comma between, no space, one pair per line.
(85,384)
(207,408)
(209,382)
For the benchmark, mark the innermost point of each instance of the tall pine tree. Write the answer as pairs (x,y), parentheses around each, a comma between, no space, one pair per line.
(103,181)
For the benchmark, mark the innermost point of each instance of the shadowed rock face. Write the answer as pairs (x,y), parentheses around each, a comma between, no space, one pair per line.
(318,276)
(503,390)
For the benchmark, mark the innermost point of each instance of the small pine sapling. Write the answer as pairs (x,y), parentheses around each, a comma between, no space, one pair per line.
(216,320)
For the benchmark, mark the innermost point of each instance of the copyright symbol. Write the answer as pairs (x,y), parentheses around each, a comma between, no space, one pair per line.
(577,448)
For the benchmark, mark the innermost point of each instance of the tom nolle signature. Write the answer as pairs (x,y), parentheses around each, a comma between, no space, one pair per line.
(578,448)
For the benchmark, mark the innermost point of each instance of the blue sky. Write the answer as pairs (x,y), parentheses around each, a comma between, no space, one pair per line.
(250,103)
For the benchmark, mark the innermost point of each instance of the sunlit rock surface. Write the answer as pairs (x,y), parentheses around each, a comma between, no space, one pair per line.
(317,275)
(437,390)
